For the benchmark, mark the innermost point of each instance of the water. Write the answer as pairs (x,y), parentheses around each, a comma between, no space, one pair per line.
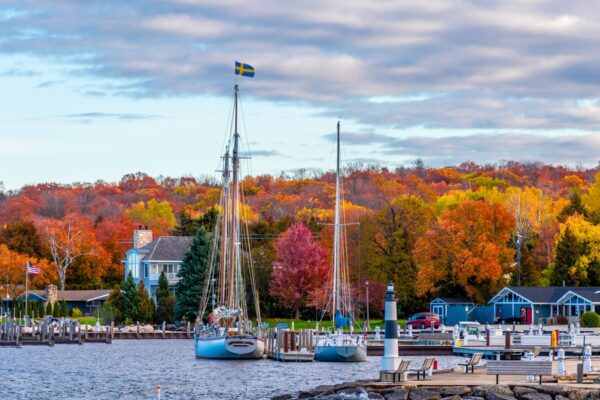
(131,369)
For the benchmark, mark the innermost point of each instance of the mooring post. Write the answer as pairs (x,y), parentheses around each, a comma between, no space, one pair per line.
(163,329)
(390,360)
(138,329)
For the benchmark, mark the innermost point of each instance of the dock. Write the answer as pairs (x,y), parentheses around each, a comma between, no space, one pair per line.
(288,345)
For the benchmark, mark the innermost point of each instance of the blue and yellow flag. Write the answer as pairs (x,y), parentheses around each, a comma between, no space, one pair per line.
(244,69)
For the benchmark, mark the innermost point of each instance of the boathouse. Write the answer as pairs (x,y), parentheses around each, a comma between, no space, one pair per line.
(452,310)
(530,305)
(150,257)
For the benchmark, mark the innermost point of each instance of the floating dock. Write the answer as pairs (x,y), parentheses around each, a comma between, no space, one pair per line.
(288,345)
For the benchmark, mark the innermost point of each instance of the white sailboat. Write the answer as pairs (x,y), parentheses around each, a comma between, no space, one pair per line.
(339,345)
(229,334)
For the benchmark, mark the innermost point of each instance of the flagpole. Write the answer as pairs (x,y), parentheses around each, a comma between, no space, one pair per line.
(26,282)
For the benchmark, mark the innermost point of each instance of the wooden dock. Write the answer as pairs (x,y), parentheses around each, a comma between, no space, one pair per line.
(288,345)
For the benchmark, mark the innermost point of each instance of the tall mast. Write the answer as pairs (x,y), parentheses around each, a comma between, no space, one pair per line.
(224,228)
(235,161)
(336,234)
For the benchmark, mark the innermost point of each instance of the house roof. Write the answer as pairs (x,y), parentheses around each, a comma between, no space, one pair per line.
(548,295)
(166,248)
(75,295)
(589,293)
(455,300)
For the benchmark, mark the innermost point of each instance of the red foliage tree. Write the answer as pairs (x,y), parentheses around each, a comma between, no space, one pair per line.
(301,268)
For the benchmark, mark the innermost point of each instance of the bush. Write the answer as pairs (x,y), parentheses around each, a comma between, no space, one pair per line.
(76,313)
(590,320)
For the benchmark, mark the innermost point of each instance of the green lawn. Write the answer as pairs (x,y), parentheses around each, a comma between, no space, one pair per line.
(304,324)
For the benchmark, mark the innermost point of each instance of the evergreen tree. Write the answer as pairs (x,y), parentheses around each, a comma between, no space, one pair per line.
(48,309)
(567,252)
(56,310)
(131,303)
(575,206)
(188,226)
(146,305)
(165,301)
(191,277)
(63,308)
(115,302)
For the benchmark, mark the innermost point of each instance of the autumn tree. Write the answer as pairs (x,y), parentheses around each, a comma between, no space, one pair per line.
(23,237)
(466,252)
(68,240)
(157,216)
(300,268)
(388,239)
(591,200)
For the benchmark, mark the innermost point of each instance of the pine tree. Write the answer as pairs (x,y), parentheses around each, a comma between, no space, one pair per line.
(146,305)
(131,304)
(188,226)
(48,309)
(575,206)
(165,301)
(191,277)
(56,310)
(63,308)
(567,252)
(115,302)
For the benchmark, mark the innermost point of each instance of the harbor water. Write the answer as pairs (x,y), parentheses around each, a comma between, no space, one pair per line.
(131,369)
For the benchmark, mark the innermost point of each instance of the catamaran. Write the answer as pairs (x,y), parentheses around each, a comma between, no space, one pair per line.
(339,345)
(228,333)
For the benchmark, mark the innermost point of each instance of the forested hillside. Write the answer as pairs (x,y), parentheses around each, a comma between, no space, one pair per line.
(465,230)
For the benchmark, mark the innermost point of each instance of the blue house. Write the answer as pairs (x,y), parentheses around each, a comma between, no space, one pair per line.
(530,305)
(87,301)
(150,257)
(452,310)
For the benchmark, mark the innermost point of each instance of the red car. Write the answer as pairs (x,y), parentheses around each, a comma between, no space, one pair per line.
(424,320)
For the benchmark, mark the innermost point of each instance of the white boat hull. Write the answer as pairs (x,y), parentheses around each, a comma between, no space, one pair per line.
(229,347)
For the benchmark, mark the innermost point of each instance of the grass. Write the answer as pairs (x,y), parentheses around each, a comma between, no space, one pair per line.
(306,324)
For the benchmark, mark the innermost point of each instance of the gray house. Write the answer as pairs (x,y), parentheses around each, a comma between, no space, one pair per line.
(149,257)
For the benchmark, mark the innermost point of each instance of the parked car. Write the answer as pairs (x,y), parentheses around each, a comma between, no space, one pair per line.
(424,320)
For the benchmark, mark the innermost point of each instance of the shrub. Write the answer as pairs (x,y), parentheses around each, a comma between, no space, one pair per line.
(590,320)
(76,313)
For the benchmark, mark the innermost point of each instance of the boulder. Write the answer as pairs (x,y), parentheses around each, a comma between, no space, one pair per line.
(553,390)
(485,390)
(520,391)
(424,394)
(576,394)
(375,396)
(536,396)
(283,397)
(396,395)
(455,397)
(147,329)
(448,391)
(593,395)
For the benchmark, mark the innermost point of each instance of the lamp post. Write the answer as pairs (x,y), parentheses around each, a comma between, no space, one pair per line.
(367,290)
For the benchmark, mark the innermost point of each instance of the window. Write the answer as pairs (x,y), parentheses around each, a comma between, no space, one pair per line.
(145,271)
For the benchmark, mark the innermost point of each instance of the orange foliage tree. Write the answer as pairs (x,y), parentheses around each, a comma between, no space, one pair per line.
(466,251)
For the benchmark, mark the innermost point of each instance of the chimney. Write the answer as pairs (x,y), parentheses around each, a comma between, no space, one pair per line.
(51,294)
(141,237)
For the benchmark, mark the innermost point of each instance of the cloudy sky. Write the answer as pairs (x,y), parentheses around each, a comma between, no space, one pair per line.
(96,89)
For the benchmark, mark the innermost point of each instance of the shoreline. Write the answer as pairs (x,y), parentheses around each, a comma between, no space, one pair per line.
(427,390)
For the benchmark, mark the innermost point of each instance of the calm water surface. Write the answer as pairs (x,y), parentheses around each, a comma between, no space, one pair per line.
(131,369)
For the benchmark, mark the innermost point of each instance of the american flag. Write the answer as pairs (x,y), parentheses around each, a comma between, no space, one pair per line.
(32,269)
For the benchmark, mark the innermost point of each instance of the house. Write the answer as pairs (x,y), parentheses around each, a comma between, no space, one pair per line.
(530,305)
(85,300)
(452,310)
(150,257)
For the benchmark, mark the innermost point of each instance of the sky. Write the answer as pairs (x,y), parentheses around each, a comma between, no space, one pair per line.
(93,90)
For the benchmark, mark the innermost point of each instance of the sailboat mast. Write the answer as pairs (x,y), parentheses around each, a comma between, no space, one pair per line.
(224,228)
(336,234)
(235,161)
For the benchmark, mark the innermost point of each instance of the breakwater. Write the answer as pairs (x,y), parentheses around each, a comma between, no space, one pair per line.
(383,391)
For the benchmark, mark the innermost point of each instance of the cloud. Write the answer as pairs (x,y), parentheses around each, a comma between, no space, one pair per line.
(89,116)
(263,153)
(503,65)
(481,148)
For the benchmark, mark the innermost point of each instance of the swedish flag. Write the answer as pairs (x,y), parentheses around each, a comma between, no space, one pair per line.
(244,69)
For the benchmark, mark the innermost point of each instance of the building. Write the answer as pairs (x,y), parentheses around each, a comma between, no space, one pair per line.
(530,305)
(452,310)
(88,301)
(150,257)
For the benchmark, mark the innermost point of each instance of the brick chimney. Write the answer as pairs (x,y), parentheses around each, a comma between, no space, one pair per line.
(141,237)
(51,294)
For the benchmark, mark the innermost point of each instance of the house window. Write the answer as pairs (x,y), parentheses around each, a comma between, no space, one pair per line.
(145,271)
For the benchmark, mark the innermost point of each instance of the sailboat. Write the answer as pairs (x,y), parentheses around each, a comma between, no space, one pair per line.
(228,333)
(339,345)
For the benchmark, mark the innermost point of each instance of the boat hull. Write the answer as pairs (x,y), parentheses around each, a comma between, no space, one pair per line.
(342,353)
(229,347)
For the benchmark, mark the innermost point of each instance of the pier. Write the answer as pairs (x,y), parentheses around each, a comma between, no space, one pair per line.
(288,345)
